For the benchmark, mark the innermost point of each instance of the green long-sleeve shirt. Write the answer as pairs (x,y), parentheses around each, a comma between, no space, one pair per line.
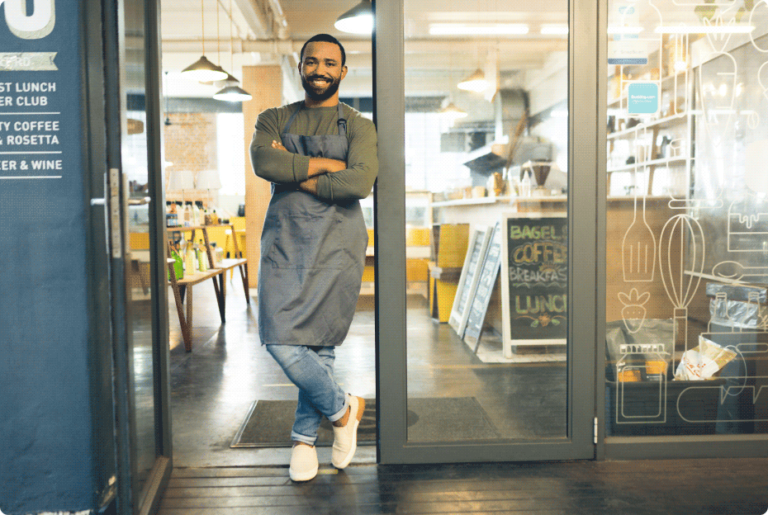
(281,167)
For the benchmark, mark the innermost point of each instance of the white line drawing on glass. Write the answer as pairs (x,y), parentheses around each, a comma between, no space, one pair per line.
(735,271)
(760,79)
(753,393)
(679,44)
(633,313)
(747,229)
(753,120)
(638,251)
(680,233)
(642,352)
(751,14)
(718,98)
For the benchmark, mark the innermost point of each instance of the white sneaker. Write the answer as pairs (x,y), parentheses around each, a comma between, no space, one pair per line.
(345,438)
(303,463)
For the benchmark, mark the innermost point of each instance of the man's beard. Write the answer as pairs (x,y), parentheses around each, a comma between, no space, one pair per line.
(331,90)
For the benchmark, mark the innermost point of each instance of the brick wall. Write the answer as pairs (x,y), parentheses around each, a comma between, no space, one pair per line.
(190,142)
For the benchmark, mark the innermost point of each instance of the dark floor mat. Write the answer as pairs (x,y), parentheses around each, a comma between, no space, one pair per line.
(432,419)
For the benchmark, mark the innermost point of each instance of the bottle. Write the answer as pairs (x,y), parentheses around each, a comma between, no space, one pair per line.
(178,265)
(189,260)
(525,185)
(195,214)
(200,258)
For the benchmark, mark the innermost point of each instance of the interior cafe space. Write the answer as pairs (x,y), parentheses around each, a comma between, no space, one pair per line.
(567,254)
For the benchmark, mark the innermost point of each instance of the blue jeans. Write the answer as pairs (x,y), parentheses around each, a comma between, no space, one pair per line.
(311,369)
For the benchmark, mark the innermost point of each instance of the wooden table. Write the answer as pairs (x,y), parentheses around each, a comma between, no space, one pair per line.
(183,287)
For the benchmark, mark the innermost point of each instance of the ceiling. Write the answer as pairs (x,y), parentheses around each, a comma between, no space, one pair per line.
(270,31)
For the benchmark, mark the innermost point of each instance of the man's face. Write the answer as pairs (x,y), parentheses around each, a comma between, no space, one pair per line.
(321,70)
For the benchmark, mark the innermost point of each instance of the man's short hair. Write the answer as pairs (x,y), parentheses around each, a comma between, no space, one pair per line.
(328,39)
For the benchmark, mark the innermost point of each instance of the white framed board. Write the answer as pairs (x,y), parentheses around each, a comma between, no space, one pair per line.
(478,243)
(534,273)
(478,303)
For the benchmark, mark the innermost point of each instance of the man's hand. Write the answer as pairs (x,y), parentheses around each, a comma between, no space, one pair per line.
(278,145)
(310,185)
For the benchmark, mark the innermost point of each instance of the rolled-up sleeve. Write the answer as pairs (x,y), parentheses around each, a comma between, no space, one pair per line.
(356,182)
(275,165)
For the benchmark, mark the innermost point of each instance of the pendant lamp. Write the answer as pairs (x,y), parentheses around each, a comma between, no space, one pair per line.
(452,112)
(358,20)
(475,82)
(231,92)
(203,70)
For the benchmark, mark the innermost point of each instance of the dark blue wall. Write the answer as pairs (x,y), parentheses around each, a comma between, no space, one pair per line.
(46,417)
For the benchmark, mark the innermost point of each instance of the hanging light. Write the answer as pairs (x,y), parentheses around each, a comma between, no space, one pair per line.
(475,82)
(452,112)
(231,92)
(358,20)
(203,70)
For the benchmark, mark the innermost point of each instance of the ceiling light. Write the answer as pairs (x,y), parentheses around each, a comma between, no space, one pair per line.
(475,82)
(358,20)
(703,29)
(554,30)
(203,70)
(465,29)
(452,112)
(232,94)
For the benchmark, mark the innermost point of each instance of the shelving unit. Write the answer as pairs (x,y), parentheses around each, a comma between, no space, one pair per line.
(183,287)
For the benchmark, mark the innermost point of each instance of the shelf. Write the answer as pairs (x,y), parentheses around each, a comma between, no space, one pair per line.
(641,126)
(652,162)
(668,78)
(471,201)
(551,198)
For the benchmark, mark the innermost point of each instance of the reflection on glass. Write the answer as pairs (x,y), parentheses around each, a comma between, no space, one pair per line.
(687,232)
(486,238)
(136,174)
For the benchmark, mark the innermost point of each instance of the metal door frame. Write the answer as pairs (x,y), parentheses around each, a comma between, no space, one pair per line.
(112,18)
(584,208)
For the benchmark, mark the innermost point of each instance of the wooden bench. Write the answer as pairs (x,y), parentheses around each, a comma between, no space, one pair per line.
(182,288)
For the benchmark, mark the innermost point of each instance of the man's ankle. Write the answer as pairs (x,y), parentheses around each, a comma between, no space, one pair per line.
(295,443)
(343,420)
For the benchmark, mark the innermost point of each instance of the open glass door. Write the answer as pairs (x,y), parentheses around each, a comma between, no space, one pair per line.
(139,273)
(486,320)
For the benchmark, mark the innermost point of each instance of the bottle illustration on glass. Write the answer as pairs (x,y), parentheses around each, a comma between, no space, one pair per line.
(718,81)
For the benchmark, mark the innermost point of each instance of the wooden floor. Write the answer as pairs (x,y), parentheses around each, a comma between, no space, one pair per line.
(717,487)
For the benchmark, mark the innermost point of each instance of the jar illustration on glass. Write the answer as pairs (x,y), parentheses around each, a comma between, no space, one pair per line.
(641,389)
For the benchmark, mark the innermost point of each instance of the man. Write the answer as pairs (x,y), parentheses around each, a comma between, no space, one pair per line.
(320,156)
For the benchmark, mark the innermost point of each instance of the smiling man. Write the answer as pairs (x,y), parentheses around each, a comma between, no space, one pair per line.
(321,158)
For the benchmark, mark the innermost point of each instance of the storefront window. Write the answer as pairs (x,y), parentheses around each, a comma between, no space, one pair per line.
(687,218)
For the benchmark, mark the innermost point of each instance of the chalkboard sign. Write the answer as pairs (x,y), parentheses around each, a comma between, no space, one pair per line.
(478,244)
(534,288)
(485,282)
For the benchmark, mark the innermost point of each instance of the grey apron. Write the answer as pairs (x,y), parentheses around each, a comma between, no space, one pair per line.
(313,255)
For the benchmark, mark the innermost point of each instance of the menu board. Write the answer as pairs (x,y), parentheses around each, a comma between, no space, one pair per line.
(478,244)
(535,279)
(485,282)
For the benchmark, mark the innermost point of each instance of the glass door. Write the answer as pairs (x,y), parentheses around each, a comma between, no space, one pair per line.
(486,322)
(137,235)
(686,354)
